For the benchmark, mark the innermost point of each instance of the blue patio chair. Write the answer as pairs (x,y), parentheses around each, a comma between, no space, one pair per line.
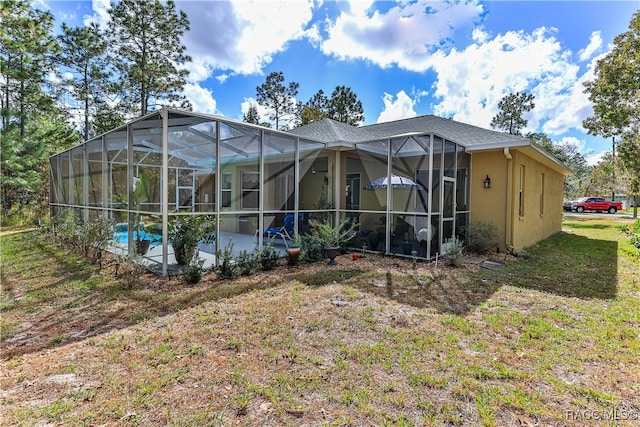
(209,239)
(285,232)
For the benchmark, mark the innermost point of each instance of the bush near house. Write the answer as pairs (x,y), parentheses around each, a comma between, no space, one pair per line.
(482,237)
(633,233)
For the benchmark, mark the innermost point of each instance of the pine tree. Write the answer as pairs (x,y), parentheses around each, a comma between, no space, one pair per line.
(251,116)
(145,35)
(315,109)
(345,107)
(27,51)
(280,99)
(31,125)
(512,107)
(84,55)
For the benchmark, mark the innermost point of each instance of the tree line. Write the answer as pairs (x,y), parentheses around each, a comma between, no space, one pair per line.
(57,90)
(343,106)
(615,94)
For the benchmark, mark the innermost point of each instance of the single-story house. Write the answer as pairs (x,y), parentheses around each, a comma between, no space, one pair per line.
(413,183)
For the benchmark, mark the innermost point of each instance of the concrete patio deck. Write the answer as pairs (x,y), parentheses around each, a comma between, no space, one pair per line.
(153,258)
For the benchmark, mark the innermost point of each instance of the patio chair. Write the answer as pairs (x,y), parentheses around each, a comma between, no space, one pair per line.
(209,239)
(285,232)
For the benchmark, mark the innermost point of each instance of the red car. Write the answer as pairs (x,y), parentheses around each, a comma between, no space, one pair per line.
(593,204)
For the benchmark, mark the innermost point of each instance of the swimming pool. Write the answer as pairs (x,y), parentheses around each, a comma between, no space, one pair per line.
(123,237)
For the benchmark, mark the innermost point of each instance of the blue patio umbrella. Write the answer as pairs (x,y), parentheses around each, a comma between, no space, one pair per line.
(397,181)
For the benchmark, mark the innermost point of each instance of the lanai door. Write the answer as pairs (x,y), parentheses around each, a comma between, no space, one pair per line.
(448,211)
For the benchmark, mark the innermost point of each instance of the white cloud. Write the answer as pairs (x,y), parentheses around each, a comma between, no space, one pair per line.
(595,158)
(580,145)
(52,77)
(285,122)
(472,81)
(400,108)
(222,77)
(406,35)
(199,70)
(240,37)
(201,98)
(100,13)
(263,112)
(572,105)
(572,141)
(243,36)
(595,43)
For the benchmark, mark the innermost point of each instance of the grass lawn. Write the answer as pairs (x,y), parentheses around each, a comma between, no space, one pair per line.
(550,339)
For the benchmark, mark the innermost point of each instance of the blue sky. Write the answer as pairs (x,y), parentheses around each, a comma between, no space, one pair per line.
(402,59)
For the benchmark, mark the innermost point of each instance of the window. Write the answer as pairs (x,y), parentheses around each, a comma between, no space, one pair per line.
(521,192)
(541,194)
(225,188)
(250,190)
(353,191)
(462,194)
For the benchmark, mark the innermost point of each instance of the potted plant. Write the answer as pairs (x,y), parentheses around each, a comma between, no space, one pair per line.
(185,233)
(407,247)
(293,254)
(140,195)
(332,238)
(320,206)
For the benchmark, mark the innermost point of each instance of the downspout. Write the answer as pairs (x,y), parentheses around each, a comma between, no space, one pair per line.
(509,204)
(337,194)
(164,189)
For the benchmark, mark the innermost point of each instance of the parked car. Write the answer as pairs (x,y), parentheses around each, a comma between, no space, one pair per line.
(598,204)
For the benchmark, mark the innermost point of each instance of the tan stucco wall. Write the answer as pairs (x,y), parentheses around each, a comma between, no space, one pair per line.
(500,203)
(489,205)
(536,223)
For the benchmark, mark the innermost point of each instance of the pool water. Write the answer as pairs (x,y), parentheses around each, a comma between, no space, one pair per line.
(123,237)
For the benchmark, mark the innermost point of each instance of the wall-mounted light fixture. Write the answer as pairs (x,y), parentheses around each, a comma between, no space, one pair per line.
(487,182)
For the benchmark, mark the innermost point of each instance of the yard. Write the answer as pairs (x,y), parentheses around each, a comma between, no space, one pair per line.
(551,338)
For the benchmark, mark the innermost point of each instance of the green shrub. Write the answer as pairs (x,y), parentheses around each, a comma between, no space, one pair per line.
(193,273)
(63,230)
(310,249)
(454,251)
(97,236)
(185,233)
(227,268)
(268,257)
(328,235)
(247,262)
(633,232)
(129,271)
(483,237)
(85,237)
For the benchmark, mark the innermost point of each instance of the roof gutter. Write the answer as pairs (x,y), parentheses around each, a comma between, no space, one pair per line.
(524,142)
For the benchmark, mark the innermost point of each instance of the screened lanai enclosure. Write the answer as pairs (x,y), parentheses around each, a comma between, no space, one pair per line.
(408,194)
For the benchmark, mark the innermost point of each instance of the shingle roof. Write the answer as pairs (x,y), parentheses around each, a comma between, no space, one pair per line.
(331,131)
(473,138)
(327,130)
